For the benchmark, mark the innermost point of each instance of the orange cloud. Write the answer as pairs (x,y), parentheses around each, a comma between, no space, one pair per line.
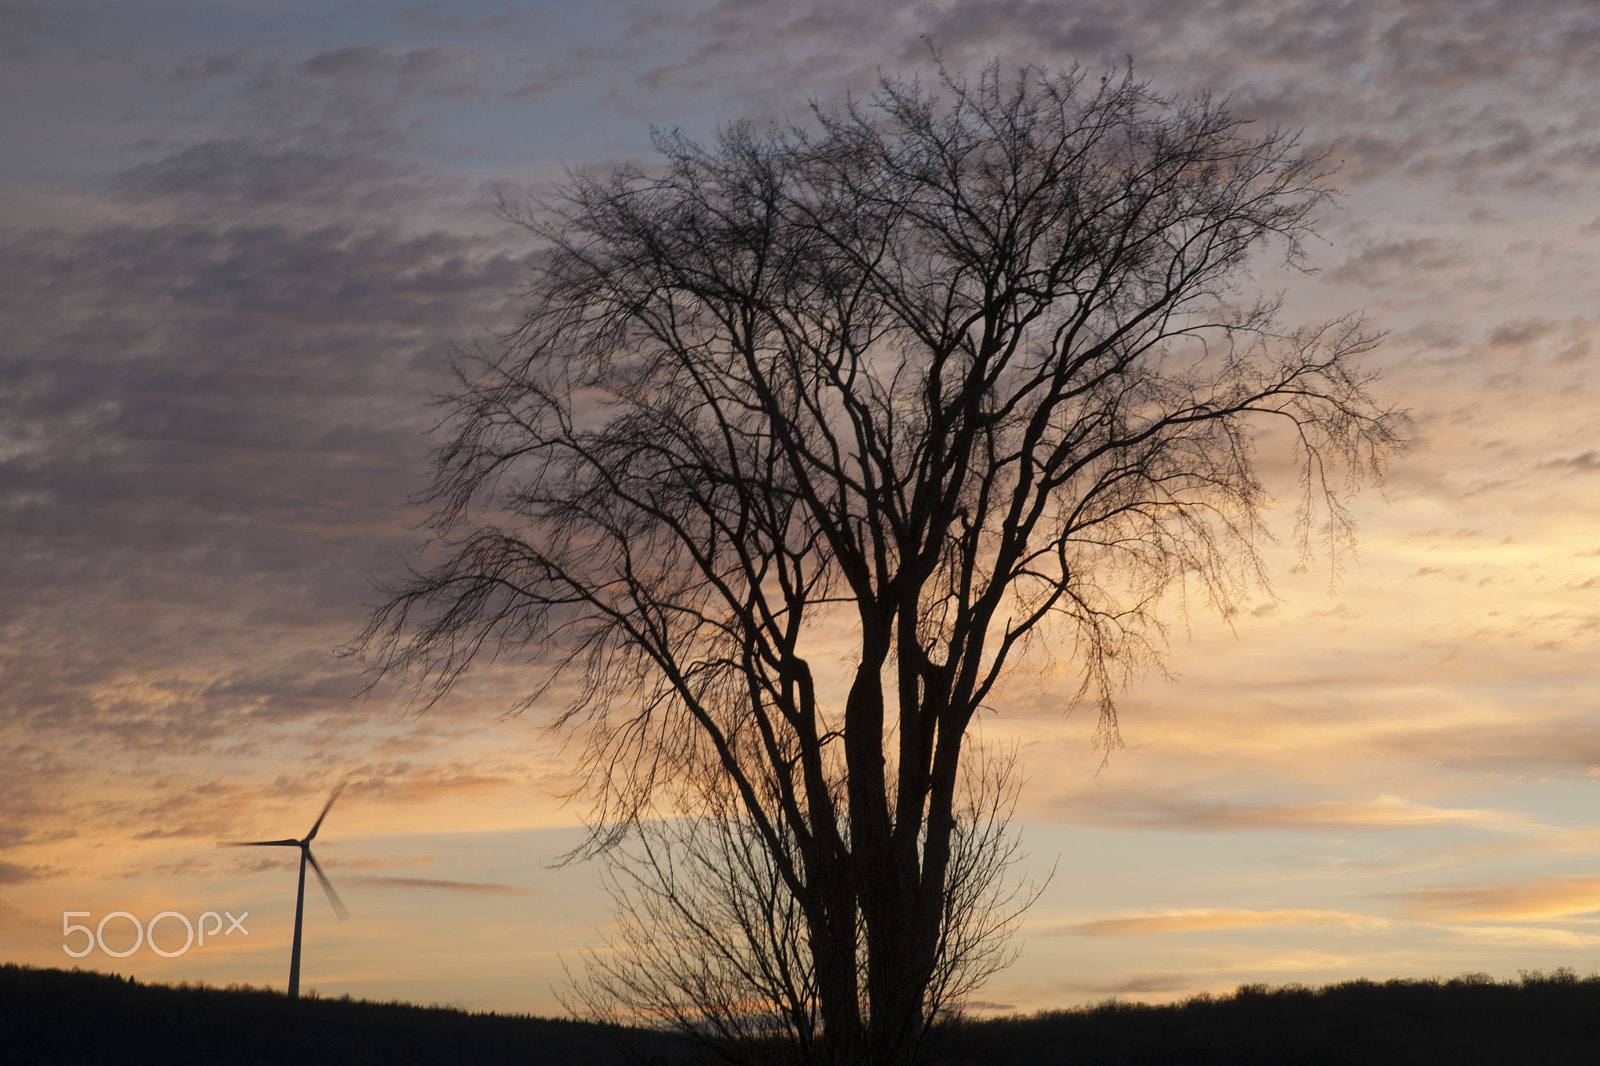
(481,888)
(1548,897)
(404,783)
(1526,936)
(1200,920)
(1166,811)
(1385,812)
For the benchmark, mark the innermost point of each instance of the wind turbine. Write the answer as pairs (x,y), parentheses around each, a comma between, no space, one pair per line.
(300,900)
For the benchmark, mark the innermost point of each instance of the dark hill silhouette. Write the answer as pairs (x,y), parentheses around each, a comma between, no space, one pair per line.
(70,1017)
(1543,1018)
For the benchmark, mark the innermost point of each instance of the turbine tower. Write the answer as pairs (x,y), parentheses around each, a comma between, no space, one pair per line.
(300,900)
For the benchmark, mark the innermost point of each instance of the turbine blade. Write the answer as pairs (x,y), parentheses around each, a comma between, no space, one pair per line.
(313,834)
(259,844)
(333,897)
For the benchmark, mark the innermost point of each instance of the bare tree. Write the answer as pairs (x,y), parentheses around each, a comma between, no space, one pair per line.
(710,943)
(806,435)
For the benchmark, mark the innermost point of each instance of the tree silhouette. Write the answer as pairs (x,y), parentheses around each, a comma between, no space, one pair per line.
(806,434)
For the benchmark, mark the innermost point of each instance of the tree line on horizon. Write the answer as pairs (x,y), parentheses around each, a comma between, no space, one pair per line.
(78,1017)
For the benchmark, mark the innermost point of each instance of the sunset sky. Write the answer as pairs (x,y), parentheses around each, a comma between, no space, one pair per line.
(239,239)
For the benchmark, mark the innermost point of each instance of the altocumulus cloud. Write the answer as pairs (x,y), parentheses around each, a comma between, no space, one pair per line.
(1378,81)
(214,387)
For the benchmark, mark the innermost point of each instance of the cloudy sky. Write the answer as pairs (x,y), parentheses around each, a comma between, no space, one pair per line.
(238,240)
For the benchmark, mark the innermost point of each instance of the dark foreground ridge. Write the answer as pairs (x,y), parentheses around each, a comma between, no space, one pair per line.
(1465,1021)
(71,1017)
(57,1016)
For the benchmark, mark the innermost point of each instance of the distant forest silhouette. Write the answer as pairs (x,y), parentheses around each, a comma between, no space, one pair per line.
(69,1017)
(72,1017)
